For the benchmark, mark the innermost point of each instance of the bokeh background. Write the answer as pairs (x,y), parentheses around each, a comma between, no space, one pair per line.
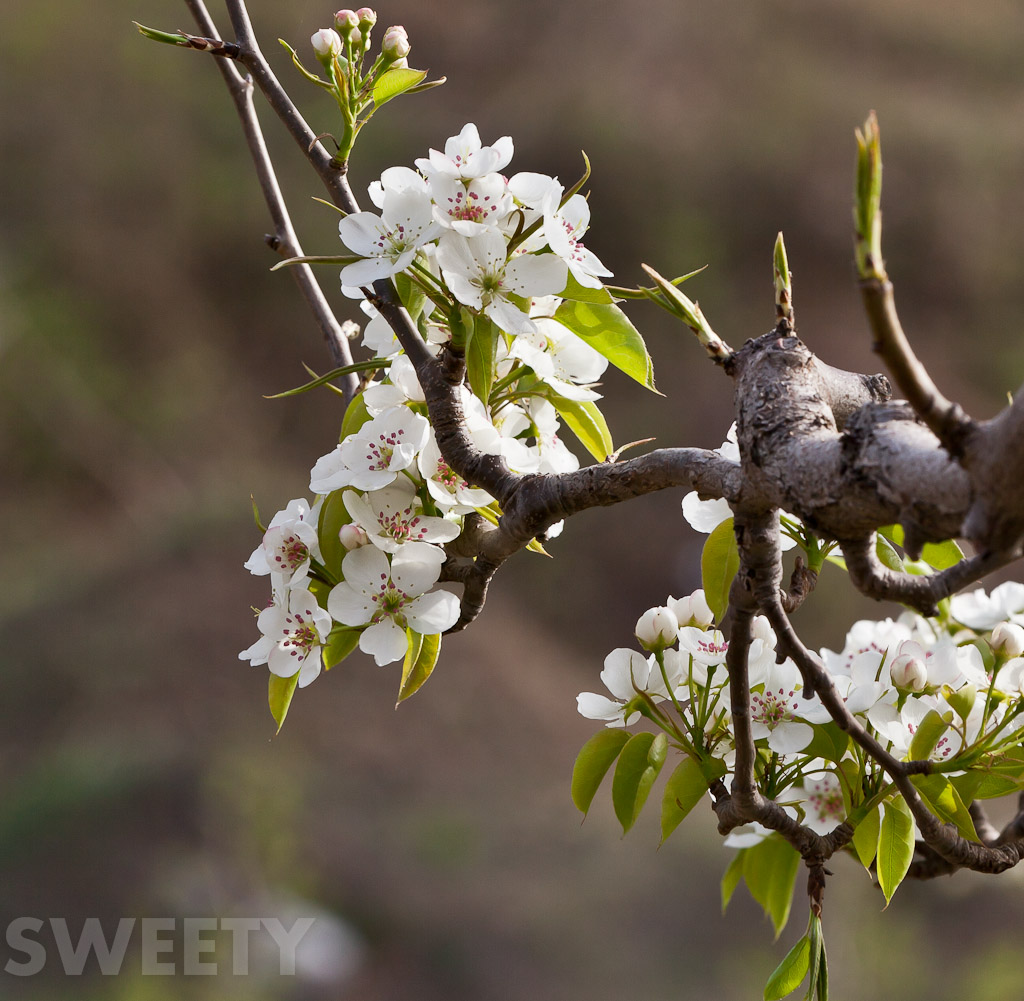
(140,329)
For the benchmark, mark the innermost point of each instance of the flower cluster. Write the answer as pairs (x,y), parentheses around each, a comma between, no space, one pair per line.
(477,256)
(950,690)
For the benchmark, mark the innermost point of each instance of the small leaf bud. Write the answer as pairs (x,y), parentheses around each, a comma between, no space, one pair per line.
(908,672)
(657,628)
(353,536)
(1008,639)
(326,44)
(395,44)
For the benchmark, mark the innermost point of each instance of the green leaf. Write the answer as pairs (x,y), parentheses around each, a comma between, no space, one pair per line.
(731,878)
(769,870)
(280,697)
(578,293)
(420,661)
(333,515)
(608,331)
(587,423)
(637,768)
(828,742)
(942,798)
(322,380)
(999,777)
(333,260)
(592,764)
(962,700)
(356,415)
(789,974)
(887,555)
(719,562)
(413,297)
(482,342)
(928,734)
(685,788)
(865,838)
(393,82)
(895,847)
(256,516)
(938,555)
(341,641)
(942,555)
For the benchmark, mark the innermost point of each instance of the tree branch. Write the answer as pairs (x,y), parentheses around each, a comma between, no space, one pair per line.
(285,241)
(944,418)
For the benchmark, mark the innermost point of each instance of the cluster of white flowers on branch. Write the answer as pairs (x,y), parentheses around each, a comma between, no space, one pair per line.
(489,324)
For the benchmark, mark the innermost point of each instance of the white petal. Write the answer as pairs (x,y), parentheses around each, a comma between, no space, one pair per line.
(385,641)
(433,613)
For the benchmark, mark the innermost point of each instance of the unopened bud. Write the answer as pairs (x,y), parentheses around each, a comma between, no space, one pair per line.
(326,44)
(352,536)
(1008,639)
(657,628)
(909,673)
(367,18)
(693,610)
(395,44)
(346,21)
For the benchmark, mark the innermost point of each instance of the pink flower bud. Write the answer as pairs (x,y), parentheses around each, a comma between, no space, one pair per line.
(1008,638)
(326,43)
(346,20)
(352,536)
(396,43)
(909,673)
(657,628)
(367,18)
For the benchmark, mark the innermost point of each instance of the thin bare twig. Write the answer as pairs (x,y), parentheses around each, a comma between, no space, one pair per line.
(285,241)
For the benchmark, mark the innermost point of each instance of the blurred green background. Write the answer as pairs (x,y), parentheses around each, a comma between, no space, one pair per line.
(140,329)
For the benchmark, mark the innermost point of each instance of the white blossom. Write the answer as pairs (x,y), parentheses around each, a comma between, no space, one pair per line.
(392,518)
(465,157)
(294,630)
(477,273)
(388,597)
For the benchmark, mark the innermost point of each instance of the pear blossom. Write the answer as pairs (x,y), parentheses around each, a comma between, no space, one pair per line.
(352,536)
(657,628)
(403,387)
(373,456)
(466,158)
(776,711)
(822,799)
(326,43)
(391,518)
(389,597)
(867,635)
(979,610)
(449,490)
(704,648)
(395,179)
(478,275)
(294,630)
(693,610)
(288,544)
(557,356)
(1008,639)
(625,673)
(564,228)
(908,672)
(395,43)
(388,242)
(470,207)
